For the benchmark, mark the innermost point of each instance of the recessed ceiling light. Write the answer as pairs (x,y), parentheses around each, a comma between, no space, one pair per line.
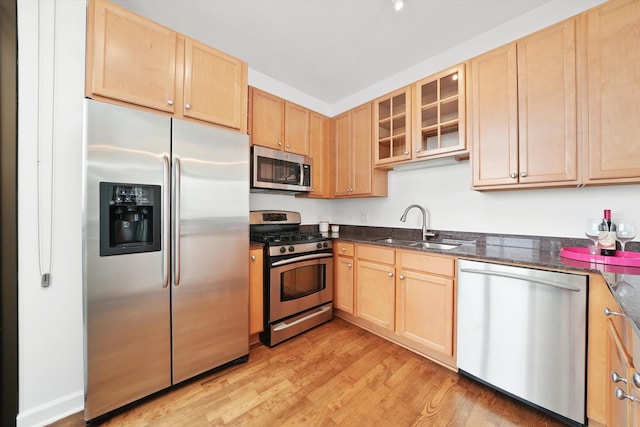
(397,4)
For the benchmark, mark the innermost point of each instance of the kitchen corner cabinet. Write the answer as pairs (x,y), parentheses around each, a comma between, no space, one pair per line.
(613,60)
(344,277)
(523,109)
(353,158)
(135,61)
(277,123)
(440,114)
(256,280)
(392,127)
(375,286)
(424,302)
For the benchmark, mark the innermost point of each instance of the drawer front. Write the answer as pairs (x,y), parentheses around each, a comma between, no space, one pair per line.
(377,254)
(345,249)
(411,260)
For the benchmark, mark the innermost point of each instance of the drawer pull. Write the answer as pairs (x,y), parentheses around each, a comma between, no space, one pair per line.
(617,378)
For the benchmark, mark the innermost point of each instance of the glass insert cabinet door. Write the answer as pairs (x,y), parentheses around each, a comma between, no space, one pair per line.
(392,126)
(440,113)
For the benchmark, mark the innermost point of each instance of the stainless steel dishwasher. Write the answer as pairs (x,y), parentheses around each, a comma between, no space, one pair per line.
(523,331)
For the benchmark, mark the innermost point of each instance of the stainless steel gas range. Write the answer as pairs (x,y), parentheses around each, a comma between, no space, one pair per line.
(298,284)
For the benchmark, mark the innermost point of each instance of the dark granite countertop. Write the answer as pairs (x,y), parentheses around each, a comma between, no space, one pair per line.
(543,252)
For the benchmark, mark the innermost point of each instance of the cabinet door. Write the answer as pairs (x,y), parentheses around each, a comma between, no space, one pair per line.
(392,127)
(130,58)
(440,113)
(425,310)
(296,129)
(215,86)
(547,131)
(375,293)
(267,119)
(619,362)
(362,163)
(494,112)
(344,284)
(613,61)
(343,155)
(320,151)
(256,279)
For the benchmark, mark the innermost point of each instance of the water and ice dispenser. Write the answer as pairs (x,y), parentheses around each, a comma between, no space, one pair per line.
(130,217)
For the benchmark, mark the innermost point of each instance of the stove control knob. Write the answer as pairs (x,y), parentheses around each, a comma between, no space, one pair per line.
(325,244)
(283,249)
(319,245)
(291,248)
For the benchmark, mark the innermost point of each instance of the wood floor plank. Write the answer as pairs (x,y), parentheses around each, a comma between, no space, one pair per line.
(334,375)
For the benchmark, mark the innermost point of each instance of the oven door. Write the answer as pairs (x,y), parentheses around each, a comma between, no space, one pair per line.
(299,283)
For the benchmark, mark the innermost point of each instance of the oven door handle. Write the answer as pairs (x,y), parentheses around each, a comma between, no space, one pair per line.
(285,325)
(301,258)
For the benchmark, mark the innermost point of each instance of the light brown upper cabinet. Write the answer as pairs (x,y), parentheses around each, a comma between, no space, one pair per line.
(392,127)
(613,84)
(278,123)
(133,60)
(523,108)
(353,158)
(320,152)
(440,112)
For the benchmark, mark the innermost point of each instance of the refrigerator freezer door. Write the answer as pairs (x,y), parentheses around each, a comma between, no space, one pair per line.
(210,292)
(126,308)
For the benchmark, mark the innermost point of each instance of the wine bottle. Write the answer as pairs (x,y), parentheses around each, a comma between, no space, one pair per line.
(608,242)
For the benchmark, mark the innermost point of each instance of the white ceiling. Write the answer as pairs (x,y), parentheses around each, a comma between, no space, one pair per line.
(331,49)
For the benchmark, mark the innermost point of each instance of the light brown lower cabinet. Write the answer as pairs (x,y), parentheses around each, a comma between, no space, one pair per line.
(344,277)
(256,291)
(404,296)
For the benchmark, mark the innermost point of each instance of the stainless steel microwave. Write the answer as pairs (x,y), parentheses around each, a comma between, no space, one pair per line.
(275,170)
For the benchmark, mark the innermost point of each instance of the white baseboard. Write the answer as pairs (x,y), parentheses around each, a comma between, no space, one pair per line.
(50,412)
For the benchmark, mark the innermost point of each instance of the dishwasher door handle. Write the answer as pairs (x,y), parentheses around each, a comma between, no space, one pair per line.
(521,277)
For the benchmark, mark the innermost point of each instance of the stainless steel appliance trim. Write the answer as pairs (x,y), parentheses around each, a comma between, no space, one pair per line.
(521,277)
(281,335)
(166,221)
(176,224)
(284,325)
(255,217)
(301,258)
(274,250)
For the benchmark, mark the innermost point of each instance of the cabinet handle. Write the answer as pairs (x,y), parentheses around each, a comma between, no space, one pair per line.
(513,175)
(343,249)
(187,106)
(288,145)
(406,152)
(349,265)
(608,312)
(621,395)
(280,143)
(170,101)
(417,150)
(635,379)
(253,257)
(390,274)
(401,277)
(617,378)
(523,174)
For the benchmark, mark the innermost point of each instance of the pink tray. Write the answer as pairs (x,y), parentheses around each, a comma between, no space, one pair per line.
(630,259)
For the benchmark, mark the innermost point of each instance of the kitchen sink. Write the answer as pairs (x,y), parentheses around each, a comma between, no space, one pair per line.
(417,244)
(393,241)
(433,245)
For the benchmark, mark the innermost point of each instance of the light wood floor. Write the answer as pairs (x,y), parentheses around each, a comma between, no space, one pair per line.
(335,374)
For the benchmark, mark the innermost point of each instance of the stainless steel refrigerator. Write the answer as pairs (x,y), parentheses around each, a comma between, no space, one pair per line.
(165,268)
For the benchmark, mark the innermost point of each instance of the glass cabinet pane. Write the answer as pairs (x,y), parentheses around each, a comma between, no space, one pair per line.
(384,109)
(384,129)
(399,104)
(399,126)
(429,116)
(384,149)
(449,136)
(449,86)
(398,146)
(449,111)
(429,93)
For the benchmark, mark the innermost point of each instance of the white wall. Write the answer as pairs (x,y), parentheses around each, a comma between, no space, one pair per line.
(50,320)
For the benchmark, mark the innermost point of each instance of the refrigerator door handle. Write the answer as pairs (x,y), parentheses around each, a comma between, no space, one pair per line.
(176,223)
(166,225)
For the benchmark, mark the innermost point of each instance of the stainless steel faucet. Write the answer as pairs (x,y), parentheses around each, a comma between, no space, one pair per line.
(425,230)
